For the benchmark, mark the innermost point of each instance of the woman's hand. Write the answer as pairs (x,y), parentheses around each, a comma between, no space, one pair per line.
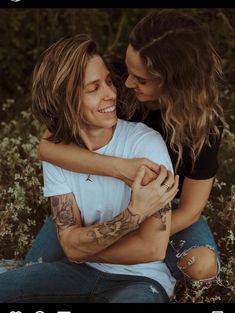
(147,200)
(128,168)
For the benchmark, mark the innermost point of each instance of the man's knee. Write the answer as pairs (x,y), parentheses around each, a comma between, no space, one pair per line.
(199,263)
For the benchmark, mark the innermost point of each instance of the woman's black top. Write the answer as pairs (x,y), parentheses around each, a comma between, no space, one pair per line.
(206,164)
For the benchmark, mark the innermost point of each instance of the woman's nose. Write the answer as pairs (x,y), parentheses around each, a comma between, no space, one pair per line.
(130,82)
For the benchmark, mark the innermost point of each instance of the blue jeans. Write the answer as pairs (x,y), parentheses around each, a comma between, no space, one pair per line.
(197,235)
(66,282)
(46,247)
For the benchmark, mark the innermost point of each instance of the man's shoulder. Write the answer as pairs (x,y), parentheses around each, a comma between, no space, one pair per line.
(137,128)
(140,136)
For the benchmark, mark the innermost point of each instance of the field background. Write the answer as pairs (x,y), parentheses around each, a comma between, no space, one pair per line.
(25,33)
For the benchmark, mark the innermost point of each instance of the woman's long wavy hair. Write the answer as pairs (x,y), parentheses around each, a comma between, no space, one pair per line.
(58,79)
(174,45)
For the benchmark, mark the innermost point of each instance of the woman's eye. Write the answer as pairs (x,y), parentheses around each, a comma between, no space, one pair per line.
(142,82)
(109,81)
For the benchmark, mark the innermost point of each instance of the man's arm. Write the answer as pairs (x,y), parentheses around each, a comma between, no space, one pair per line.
(81,243)
(146,244)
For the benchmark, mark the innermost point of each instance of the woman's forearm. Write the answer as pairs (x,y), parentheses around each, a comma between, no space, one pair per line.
(78,159)
(194,197)
(182,219)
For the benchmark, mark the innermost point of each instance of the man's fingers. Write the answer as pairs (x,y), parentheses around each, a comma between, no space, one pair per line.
(171,193)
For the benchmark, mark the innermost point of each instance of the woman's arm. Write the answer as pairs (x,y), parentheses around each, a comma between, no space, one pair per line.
(194,196)
(78,159)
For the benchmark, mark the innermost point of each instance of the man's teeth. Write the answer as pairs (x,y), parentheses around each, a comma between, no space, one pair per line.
(108,110)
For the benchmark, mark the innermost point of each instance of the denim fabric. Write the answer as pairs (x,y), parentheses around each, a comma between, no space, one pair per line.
(197,235)
(46,247)
(66,282)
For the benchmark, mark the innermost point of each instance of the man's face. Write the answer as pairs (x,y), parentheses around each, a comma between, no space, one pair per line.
(98,96)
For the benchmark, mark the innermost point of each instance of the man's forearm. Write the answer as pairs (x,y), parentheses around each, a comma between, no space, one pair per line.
(87,241)
(146,244)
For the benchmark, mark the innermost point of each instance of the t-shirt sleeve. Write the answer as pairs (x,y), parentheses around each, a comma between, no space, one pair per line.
(55,182)
(206,165)
(150,144)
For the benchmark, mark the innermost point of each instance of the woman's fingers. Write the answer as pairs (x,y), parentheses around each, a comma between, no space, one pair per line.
(149,176)
(160,177)
(139,177)
(152,166)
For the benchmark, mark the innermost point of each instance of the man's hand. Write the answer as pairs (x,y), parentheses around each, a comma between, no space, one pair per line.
(147,200)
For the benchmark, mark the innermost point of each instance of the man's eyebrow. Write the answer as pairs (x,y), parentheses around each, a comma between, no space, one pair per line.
(96,80)
(92,82)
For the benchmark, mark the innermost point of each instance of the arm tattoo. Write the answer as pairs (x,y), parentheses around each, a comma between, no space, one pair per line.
(162,215)
(62,211)
(110,231)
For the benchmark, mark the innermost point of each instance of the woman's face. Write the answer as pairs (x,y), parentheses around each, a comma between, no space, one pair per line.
(144,84)
(99,96)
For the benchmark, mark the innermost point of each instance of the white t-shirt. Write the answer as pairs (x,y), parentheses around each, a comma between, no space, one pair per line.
(101,198)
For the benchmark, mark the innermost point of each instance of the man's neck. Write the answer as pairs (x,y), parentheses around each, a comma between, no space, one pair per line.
(97,138)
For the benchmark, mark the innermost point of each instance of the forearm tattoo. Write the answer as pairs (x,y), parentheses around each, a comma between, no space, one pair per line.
(62,211)
(108,232)
(162,215)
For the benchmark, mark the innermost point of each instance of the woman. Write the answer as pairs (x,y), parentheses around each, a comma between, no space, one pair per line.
(113,237)
(173,75)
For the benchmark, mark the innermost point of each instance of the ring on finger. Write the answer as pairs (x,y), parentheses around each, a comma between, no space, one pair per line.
(166,185)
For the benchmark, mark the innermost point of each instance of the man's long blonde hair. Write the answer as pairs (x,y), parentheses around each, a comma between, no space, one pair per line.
(177,47)
(57,83)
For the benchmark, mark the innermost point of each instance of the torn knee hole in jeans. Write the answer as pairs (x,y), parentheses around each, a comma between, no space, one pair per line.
(180,253)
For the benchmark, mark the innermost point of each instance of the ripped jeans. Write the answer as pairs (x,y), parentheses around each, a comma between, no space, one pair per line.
(195,236)
(46,246)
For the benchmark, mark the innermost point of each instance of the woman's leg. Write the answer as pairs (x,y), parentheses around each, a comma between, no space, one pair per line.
(46,246)
(193,253)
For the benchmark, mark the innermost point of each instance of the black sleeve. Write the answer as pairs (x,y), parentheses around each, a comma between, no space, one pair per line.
(206,165)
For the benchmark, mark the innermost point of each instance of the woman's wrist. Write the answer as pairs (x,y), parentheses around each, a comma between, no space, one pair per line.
(116,167)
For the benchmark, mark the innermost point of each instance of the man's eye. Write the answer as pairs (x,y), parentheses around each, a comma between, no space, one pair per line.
(92,89)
